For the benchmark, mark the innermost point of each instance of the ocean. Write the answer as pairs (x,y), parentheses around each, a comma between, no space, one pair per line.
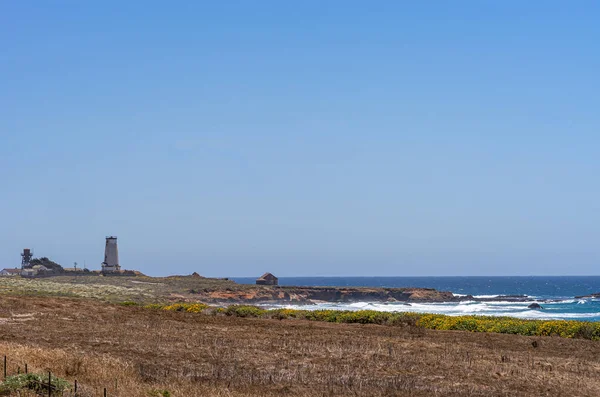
(556,294)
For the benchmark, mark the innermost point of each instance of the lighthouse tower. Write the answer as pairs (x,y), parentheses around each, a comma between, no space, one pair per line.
(111,256)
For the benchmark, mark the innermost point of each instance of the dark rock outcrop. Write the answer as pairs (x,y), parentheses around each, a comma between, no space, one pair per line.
(590,296)
(265,294)
(536,306)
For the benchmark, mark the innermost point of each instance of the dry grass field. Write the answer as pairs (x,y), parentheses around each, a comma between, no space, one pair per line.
(141,289)
(145,289)
(139,352)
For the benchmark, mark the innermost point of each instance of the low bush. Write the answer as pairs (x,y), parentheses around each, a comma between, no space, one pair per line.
(503,325)
(35,382)
(186,307)
(403,319)
(283,314)
(508,325)
(244,311)
(196,308)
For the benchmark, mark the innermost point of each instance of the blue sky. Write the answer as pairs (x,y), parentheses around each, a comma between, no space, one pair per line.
(303,138)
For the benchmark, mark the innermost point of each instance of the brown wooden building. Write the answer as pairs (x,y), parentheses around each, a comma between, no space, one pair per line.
(267,279)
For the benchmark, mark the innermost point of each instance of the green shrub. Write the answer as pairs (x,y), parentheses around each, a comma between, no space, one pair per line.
(219,310)
(403,319)
(282,314)
(504,325)
(363,317)
(35,382)
(509,325)
(244,311)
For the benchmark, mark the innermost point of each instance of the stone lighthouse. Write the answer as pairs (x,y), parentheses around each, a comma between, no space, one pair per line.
(111,256)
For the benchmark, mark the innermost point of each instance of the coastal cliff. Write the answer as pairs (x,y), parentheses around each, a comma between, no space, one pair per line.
(327,294)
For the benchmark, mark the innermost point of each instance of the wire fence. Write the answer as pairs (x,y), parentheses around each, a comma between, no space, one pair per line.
(48,385)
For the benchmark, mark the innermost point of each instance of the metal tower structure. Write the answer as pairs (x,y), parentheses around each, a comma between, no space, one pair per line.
(26,258)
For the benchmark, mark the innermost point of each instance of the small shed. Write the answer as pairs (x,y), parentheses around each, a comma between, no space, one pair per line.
(29,273)
(10,272)
(267,279)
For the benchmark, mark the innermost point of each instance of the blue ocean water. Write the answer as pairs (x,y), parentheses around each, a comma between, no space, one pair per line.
(556,294)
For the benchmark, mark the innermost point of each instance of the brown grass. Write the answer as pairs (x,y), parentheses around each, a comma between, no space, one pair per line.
(140,289)
(133,351)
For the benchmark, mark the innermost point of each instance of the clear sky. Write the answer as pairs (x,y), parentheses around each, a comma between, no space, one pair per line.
(303,138)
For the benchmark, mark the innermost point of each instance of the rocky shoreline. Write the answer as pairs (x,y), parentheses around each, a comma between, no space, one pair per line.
(308,295)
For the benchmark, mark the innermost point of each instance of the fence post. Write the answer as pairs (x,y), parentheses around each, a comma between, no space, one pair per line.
(75,388)
(26,368)
(4,367)
(105,392)
(49,384)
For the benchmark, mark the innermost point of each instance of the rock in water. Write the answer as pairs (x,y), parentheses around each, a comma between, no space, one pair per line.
(535,306)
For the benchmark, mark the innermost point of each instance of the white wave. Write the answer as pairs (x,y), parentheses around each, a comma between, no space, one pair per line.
(562,301)
(504,303)
(498,303)
(458,295)
(493,308)
(542,315)
(360,305)
(485,296)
